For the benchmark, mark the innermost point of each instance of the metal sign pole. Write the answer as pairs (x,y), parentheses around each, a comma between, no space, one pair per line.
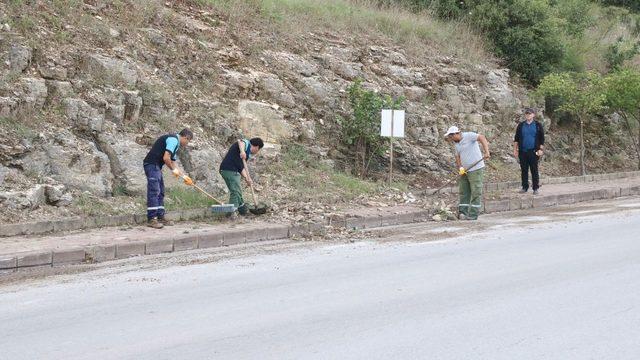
(391,150)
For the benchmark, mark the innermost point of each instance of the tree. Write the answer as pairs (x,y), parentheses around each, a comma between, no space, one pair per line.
(361,130)
(523,33)
(579,94)
(622,90)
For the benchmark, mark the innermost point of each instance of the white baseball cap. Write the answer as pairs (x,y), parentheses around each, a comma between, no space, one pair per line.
(452,130)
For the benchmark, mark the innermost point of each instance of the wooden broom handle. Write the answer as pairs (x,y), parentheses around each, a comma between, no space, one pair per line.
(206,193)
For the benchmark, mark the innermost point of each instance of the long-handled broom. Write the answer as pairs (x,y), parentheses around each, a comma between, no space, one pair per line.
(220,207)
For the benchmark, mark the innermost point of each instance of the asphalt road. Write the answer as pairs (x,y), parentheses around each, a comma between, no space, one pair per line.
(522,288)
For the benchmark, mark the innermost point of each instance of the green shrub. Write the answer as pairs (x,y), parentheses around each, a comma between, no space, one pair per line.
(523,33)
(619,52)
(361,130)
(633,5)
(574,16)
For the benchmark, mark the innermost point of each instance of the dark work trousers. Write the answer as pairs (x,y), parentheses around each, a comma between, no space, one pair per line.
(155,191)
(529,160)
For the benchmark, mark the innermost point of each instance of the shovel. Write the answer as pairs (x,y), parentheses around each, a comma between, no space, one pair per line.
(255,209)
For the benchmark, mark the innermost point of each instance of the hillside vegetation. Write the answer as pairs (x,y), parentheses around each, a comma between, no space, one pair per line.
(86,86)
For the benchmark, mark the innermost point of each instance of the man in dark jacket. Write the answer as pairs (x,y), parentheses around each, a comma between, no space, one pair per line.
(232,167)
(163,152)
(528,146)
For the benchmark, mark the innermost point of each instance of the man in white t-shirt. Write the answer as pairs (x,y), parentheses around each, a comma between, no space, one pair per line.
(470,161)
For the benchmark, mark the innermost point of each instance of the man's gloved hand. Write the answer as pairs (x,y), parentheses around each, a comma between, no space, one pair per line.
(187,180)
(462,171)
(176,172)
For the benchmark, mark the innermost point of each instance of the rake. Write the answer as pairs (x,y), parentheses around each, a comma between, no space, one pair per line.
(448,182)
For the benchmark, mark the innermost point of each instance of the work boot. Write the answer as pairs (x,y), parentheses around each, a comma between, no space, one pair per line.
(462,217)
(522,191)
(165,222)
(232,216)
(535,192)
(154,223)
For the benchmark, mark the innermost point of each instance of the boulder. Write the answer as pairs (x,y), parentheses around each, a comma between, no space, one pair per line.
(72,161)
(21,200)
(3,173)
(158,105)
(319,92)
(55,195)
(204,170)
(346,70)
(8,106)
(130,155)
(34,92)
(109,70)
(58,90)
(271,87)
(83,116)
(498,89)
(19,58)
(132,106)
(415,93)
(53,72)
(262,120)
(292,63)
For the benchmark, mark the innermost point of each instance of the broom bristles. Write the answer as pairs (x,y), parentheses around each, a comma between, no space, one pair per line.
(224,208)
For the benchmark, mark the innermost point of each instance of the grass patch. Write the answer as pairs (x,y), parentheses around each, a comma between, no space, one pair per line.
(295,17)
(17,127)
(89,205)
(180,197)
(308,179)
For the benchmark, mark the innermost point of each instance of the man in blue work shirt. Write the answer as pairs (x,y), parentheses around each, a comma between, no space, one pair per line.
(163,152)
(528,146)
(232,168)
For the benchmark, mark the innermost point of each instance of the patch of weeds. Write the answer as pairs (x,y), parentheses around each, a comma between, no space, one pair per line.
(400,185)
(309,179)
(19,128)
(120,190)
(181,197)
(90,205)
(429,100)
(350,185)
(24,24)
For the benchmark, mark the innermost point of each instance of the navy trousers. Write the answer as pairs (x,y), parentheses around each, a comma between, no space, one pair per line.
(155,191)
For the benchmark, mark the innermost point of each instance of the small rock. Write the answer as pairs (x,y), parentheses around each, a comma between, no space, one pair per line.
(53,193)
(65,200)
(437,217)
(37,197)
(19,57)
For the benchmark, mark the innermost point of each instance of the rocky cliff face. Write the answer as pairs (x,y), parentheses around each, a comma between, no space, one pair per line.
(79,115)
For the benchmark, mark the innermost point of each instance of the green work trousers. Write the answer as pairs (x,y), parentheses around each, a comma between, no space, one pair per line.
(470,190)
(232,179)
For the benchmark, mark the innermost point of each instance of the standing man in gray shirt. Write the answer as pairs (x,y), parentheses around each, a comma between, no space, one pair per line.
(470,161)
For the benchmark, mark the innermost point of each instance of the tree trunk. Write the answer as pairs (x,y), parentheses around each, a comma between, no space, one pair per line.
(582,151)
(634,138)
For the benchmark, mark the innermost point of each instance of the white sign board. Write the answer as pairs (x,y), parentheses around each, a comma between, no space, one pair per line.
(392,119)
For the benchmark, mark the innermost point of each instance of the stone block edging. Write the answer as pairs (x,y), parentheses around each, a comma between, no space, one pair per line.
(546,181)
(100,253)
